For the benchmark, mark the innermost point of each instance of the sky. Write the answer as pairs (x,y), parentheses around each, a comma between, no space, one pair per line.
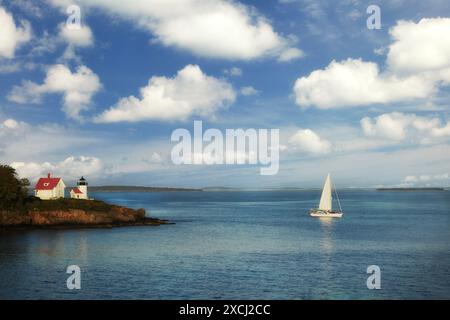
(370,106)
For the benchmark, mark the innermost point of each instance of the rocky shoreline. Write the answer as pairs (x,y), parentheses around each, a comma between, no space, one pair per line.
(113,216)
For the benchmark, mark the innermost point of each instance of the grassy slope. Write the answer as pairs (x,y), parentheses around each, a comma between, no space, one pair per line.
(66,204)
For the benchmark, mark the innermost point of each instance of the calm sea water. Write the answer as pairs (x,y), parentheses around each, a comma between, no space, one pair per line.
(242,245)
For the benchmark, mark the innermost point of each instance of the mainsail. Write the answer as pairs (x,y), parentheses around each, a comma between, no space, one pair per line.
(326,198)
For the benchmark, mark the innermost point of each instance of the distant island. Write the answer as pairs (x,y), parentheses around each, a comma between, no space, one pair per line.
(139,189)
(224,189)
(411,189)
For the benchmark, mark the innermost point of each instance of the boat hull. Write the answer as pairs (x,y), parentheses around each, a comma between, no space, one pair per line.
(325,214)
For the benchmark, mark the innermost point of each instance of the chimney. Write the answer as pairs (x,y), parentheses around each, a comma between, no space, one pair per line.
(49,175)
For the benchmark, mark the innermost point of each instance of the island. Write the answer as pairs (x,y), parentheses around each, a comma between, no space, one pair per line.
(70,213)
(140,189)
(412,189)
(19,209)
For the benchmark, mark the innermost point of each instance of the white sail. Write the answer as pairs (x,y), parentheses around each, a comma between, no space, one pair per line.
(326,198)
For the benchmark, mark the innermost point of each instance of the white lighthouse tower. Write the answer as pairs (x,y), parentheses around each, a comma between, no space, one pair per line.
(83,187)
(80,192)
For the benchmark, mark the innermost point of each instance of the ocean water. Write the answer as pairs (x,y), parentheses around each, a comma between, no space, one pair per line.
(242,245)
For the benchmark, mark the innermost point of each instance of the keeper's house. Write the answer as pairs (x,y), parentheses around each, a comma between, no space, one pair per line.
(49,188)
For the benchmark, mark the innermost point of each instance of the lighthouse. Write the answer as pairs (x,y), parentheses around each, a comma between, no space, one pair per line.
(80,192)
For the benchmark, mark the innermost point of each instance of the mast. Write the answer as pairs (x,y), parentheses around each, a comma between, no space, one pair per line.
(337,197)
(326,198)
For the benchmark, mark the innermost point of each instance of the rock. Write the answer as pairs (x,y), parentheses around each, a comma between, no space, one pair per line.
(114,216)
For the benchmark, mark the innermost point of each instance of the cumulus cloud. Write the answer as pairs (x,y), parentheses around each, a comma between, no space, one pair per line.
(290,54)
(190,92)
(354,82)
(10,130)
(80,36)
(234,71)
(399,126)
(11,35)
(208,28)
(70,168)
(75,37)
(419,47)
(249,91)
(77,88)
(418,64)
(9,124)
(307,141)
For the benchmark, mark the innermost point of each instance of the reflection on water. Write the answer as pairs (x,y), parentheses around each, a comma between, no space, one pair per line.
(242,245)
(327,234)
(326,246)
(46,243)
(56,244)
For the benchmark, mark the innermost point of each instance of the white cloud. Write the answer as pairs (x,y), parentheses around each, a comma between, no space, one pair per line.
(354,82)
(377,167)
(426,180)
(10,124)
(418,63)
(441,131)
(249,91)
(11,129)
(419,47)
(21,140)
(208,28)
(71,168)
(77,88)
(291,54)
(32,170)
(306,140)
(29,7)
(46,43)
(380,51)
(76,36)
(190,92)
(155,158)
(12,36)
(399,126)
(234,71)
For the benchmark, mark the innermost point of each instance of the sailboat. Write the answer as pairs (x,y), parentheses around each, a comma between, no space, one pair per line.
(326,203)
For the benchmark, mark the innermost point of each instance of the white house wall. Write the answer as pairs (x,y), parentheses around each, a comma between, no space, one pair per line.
(56,193)
(44,194)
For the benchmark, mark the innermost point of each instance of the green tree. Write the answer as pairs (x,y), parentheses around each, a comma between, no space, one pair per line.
(24,183)
(12,190)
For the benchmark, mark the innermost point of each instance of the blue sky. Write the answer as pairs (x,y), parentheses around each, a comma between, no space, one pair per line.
(377,115)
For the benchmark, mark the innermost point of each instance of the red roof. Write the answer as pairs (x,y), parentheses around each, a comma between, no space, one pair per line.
(76,190)
(48,183)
